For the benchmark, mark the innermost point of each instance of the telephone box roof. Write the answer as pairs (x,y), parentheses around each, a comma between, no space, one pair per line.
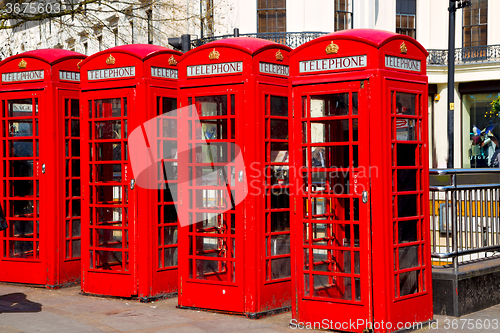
(50,56)
(373,37)
(249,45)
(140,51)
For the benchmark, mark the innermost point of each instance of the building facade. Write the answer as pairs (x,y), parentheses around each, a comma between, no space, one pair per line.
(477,56)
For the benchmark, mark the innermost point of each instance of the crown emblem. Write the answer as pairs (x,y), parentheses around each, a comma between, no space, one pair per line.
(111,60)
(78,64)
(332,48)
(279,56)
(22,64)
(172,61)
(214,55)
(403,48)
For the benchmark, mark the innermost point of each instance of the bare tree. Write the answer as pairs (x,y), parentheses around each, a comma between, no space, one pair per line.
(92,25)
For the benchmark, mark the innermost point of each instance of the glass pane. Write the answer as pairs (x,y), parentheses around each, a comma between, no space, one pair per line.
(279,152)
(408,257)
(21,128)
(20,107)
(106,130)
(405,103)
(75,108)
(108,151)
(407,205)
(110,215)
(280,244)
(108,172)
(21,229)
(21,249)
(21,148)
(408,283)
(76,248)
(330,157)
(279,106)
(208,106)
(106,108)
(407,231)
(170,256)
(108,260)
(330,131)
(169,235)
(280,268)
(279,129)
(279,199)
(169,105)
(407,180)
(330,105)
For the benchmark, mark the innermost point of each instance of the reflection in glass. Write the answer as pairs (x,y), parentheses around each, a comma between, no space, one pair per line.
(330,105)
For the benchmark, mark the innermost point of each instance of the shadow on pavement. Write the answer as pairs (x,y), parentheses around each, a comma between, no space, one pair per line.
(17,302)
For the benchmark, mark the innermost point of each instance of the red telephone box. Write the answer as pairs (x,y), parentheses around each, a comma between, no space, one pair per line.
(361,242)
(237,260)
(129,232)
(40,170)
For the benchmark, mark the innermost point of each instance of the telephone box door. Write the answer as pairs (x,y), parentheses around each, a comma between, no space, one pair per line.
(211,183)
(24,253)
(110,202)
(165,235)
(333,214)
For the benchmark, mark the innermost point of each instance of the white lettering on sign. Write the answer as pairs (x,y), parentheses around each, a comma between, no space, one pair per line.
(111,73)
(22,107)
(69,76)
(332,64)
(22,76)
(224,68)
(402,63)
(276,69)
(166,73)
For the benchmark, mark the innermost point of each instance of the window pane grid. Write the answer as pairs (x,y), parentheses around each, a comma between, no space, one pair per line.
(72,179)
(21,185)
(108,189)
(330,210)
(167,193)
(277,201)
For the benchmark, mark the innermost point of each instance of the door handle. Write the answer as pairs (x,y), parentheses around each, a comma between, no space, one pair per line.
(132,184)
(364,197)
(240,176)
(43,168)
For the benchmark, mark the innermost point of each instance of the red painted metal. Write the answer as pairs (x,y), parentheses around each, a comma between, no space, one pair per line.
(40,173)
(355,262)
(129,232)
(238,261)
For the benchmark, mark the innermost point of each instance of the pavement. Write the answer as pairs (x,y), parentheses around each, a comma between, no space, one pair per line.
(27,309)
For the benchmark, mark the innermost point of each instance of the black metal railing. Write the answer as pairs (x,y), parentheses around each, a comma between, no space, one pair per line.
(466,55)
(291,39)
(465,215)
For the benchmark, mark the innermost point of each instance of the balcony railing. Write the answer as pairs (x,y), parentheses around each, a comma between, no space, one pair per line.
(466,55)
(465,215)
(291,39)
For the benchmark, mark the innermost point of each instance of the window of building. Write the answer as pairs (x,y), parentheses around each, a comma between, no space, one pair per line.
(86,48)
(271,16)
(343,14)
(99,42)
(406,13)
(482,124)
(475,24)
